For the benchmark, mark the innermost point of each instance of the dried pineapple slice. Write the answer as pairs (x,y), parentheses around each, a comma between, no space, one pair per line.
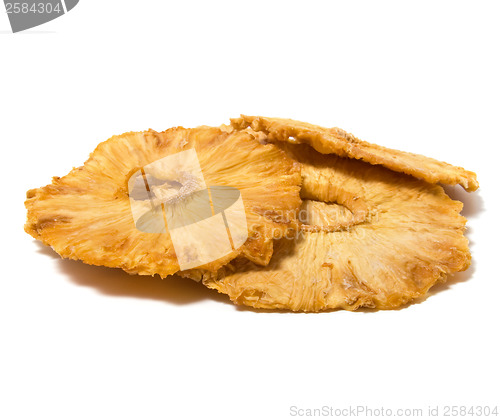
(371,238)
(89,213)
(337,141)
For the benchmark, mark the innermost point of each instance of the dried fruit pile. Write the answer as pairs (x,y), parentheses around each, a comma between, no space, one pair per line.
(329,221)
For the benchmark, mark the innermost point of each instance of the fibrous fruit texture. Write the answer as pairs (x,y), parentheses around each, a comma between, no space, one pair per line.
(316,219)
(337,141)
(93,214)
(369,237)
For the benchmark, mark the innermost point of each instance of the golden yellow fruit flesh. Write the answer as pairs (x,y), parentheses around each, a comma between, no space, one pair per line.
(370,237)
(337,141)
(326,221)
(87,214)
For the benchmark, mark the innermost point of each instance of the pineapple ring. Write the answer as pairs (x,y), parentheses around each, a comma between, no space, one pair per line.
(88,215)
(410,237)
(337,141)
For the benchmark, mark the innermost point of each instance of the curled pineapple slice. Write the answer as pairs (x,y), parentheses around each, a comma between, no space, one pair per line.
(370,237)
(143,200)
(337,141)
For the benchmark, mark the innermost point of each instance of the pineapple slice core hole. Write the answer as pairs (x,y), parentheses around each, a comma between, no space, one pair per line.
(166,191)
(319,216)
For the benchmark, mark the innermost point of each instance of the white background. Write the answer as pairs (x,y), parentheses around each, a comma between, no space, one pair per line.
(82,342)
